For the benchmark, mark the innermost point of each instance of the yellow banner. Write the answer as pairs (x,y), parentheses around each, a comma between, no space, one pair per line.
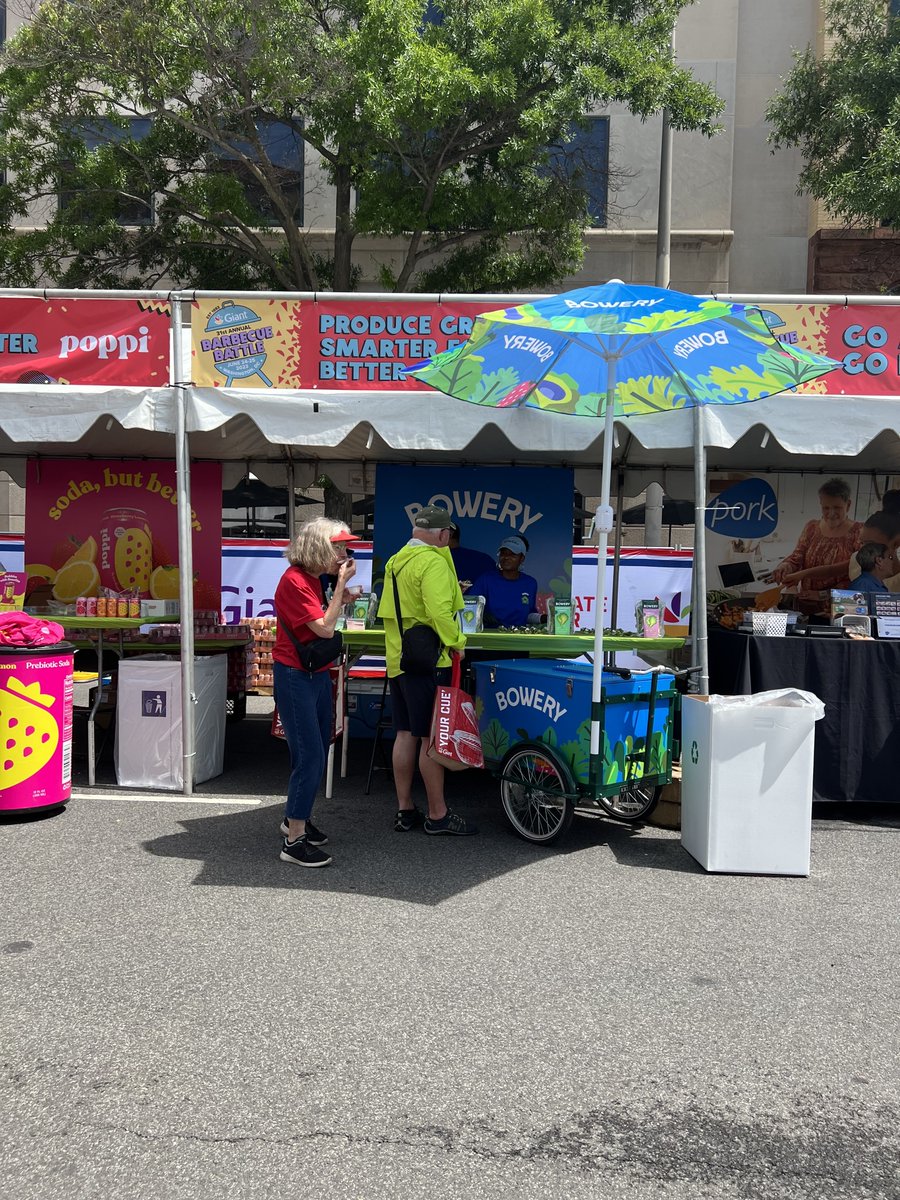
(236,343)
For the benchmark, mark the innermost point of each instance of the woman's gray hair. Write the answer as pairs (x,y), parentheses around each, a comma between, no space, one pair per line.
(312,548)
(868,554)
(837,489)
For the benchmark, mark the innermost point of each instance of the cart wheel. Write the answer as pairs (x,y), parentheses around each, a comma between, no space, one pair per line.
(536,790)
(634,802)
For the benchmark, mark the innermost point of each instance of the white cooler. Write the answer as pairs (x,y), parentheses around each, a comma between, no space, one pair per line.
(149,744)
(747,781)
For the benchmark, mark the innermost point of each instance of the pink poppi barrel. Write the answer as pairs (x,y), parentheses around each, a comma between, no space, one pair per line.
(35,726)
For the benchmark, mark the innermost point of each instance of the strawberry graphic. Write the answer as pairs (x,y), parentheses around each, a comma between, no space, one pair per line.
(519,392)
(29,732)
(63,551)
(162,556)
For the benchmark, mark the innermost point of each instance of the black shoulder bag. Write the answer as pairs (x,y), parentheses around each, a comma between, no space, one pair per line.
(420,646)
(320,652)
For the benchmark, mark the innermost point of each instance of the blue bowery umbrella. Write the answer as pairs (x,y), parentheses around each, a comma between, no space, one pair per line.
(619,350)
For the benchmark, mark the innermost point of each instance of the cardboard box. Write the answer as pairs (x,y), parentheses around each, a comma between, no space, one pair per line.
(843,602)
(160,608)
(746,787)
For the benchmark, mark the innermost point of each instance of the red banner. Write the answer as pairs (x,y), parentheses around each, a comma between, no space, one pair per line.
(865,338)
(84,341)
(368,345)
(363,346)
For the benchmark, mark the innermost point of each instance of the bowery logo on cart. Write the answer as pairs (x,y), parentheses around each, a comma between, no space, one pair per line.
(530,697)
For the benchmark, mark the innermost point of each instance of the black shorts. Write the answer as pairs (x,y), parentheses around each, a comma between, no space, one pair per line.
(412,700)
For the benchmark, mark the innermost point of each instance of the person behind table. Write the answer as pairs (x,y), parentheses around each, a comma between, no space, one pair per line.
(510,595)
(883,528)
(303,697)
(877,563)
(469,563)
(429,594)
(821,558)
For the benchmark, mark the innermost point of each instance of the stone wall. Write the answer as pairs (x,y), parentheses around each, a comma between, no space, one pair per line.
(860,261)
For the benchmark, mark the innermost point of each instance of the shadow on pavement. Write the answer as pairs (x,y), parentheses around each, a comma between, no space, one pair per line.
(240,848)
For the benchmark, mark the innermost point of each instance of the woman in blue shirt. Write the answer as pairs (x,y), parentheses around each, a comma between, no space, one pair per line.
(510,595)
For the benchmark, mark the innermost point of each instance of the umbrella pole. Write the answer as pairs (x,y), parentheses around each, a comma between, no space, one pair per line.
(604,524)
(698,613)
(617,552)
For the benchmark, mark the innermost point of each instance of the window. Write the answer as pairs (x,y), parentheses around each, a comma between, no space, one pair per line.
(137,207)
(584,159)
(283,145)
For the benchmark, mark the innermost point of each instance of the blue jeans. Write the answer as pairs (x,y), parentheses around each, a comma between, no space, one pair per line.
(305,707)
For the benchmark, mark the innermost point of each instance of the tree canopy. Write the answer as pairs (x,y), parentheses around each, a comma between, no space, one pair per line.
(175,139)
(843,112)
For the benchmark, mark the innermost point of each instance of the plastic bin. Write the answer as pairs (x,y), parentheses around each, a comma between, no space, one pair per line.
(36,686)
(364,707)
(149,745)
(747,781)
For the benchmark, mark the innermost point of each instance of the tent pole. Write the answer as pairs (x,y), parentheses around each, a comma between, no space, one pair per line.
(185,550)
(620,508)
(604,521)
(291,526)
(698,612)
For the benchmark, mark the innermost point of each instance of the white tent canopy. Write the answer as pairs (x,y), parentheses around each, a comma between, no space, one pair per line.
(347,433)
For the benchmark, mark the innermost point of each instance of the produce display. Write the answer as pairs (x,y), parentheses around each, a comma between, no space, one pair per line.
(540,631)
(729,610)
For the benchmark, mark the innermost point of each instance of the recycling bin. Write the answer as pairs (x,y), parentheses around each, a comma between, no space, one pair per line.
(747,781)
(36,687)
(149,737)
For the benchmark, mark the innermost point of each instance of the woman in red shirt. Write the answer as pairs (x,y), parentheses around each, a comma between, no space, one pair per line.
(304,697)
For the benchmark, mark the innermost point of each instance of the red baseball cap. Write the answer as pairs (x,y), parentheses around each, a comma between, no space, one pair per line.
(344,537)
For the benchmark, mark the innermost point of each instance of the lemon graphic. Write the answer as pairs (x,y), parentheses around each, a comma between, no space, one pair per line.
(76,579)
(86,552)
(42,570)
(165,583)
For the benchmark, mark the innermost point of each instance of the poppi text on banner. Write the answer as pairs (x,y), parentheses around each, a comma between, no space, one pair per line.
(85,341)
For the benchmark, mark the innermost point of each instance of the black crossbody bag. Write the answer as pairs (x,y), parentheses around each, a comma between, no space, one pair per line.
(420,646)
(320,652)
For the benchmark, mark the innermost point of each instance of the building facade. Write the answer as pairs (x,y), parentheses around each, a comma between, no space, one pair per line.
(737,222)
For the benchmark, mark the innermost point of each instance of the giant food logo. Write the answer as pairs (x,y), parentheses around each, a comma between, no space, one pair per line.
(749,509)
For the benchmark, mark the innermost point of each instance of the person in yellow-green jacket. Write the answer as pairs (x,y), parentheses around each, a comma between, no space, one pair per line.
(429,595)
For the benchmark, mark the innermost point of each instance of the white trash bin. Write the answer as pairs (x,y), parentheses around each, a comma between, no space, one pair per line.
(747,781)
(149,746)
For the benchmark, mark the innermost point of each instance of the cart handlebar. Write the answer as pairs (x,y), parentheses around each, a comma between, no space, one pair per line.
(681,673)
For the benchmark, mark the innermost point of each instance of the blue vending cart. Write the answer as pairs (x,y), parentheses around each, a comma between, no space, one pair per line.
(534,717)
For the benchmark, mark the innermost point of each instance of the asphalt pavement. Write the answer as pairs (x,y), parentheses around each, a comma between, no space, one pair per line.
(184,1016)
